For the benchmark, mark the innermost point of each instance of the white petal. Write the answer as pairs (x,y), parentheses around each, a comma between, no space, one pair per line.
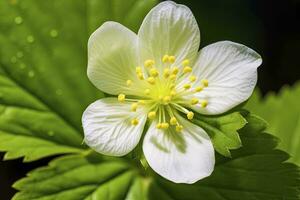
(169,28)
(184,157)
(107,127)
(112,57)
(231,70)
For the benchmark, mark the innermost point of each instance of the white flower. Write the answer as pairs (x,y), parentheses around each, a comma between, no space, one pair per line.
(159,76)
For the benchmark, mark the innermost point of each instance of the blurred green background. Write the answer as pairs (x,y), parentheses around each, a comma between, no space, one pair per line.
(269,27)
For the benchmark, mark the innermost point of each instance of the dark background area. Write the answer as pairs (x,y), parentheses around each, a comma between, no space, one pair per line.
(269,27)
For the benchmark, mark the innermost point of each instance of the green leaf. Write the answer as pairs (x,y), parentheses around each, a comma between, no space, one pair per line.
(282,112)
(256,171)
(43,84)
(223,131)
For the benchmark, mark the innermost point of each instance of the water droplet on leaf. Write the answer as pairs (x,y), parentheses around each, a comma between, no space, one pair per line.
(58,92)
(22,66)
(30,39)
(53,33)
(20,54)
(31,74)
(18,20)
(13,59)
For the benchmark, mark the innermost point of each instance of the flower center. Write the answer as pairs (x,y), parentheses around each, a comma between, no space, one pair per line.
(164,92)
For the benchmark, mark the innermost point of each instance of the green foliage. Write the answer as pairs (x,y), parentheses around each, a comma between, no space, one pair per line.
(223,131)
(44,90)
(282,112)
(255,171)
(43,86)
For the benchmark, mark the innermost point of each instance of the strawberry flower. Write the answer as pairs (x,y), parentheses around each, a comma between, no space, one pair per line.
(160,80)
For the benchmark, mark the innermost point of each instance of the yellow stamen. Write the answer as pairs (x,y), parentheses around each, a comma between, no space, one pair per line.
(192,78)
(159,126)
(173,121)
(173,77)
(135,121)
(173,93)
(203,103)
(179,128)
(129,82)
(164,125)
(167,99)
(165,58)
(153,72)
(198,89)
(151,115)
(121,97)
(187,69)
(204,82)
(187,86)
(172,86)
(138,69)
(149,63)
(140,75)
(171,59)
(175,70)
(190,115)
(147,91)
(141,102)
(166,72)
(194,101)
(186,62)
(134,107)
(151,80)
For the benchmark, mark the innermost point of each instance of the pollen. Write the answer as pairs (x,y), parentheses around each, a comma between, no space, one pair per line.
(121,97)
(187,69)
(198,89)
(151,80)
(134,106)
(192,78)
(186,62)
(179,128)
(164,125)
(173,77)
(166,72)
(138,69)
(140,75)
(165,58)
(187,86)
(159,126)
(203,103)
(166,99)
(171,59)
(151,115)
(129,82)
(175,70)
(173,121)
(147,91)
(154,72)
(204,82)
(190,115)
(194,101)
(135,122)
(149,63)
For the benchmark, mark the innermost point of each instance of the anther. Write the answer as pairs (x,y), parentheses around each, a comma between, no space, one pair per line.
(141,102)
(151,80)
(186,86)
(153,72)
(186,62)
(164,125)
(159,126)
(149,63)
(172,86)
(147,91)
(173,77)
(173,121)
(198,89)
(175,70)
(134,107)
(140,75)
(138,69)
(167,99)
(165,58)
(190,115)
(121,97)
(203,103)
(129,82)
(171,59)
(204,82)
(194,101)
(187,69)
(135,121)
(151,115)
(179,128)
(173,93)
(166,72)
(192,78)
